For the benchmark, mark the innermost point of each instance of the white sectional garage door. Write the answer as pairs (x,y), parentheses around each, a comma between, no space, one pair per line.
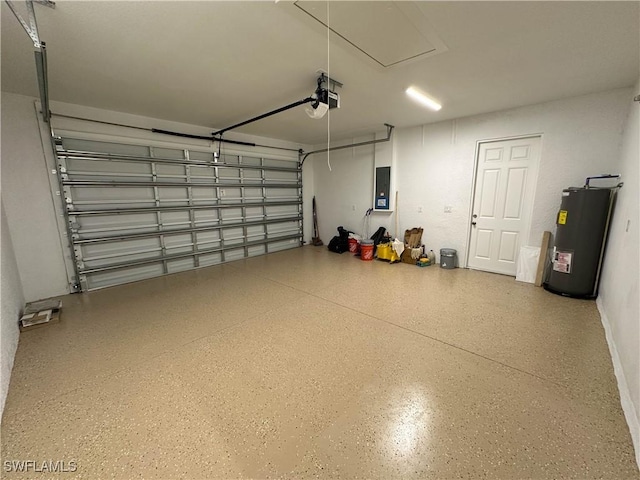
(139,211)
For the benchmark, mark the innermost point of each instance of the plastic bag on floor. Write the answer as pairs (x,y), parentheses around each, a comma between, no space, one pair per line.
(527,264)
(398,247)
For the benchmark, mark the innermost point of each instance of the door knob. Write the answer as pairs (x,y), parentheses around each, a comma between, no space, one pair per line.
(473,223)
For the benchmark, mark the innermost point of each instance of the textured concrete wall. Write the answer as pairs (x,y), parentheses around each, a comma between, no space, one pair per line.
(581,136)
(619,298)
(12,303)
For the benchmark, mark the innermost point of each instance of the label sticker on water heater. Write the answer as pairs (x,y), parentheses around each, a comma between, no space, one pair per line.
(562,217)
(562,261)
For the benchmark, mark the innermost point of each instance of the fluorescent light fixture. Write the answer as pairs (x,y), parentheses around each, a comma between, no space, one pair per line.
(420,97)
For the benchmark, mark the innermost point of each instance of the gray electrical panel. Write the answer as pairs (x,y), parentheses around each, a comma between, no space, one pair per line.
(383,188)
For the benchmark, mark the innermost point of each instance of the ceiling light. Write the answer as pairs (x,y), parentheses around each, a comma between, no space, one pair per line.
(422,98)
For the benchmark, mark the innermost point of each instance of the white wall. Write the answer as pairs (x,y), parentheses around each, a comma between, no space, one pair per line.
(12,303)
(27,201)
(619,300)
(33,212)
(580,136)
(345,192)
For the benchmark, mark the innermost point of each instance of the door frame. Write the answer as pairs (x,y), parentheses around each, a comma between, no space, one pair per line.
(474,181)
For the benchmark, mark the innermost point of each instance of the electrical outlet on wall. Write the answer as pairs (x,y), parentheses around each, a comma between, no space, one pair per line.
(447,209)
(223,192)
(353,208)
(420,209)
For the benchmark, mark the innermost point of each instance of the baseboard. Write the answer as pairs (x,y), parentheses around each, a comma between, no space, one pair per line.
(625,397)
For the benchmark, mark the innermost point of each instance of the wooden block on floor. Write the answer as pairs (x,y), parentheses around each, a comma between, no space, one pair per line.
(542,259)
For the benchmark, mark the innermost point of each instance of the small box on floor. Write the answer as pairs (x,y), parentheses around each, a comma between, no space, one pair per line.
(412,242)
(41,313)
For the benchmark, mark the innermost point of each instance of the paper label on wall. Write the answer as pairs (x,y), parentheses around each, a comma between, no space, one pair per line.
(382,203)
(562,261)
(562,217)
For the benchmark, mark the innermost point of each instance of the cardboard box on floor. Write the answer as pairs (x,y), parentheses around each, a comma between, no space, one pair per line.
(412,239)
(41,313)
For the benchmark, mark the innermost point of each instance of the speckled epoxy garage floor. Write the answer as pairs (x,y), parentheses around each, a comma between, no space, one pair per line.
(306,363)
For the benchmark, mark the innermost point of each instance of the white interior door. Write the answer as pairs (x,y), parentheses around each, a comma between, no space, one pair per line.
(501,214)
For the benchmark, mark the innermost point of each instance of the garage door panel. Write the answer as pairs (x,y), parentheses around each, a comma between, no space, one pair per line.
(121,223)
(230,193)
(229,159)
(281,245)
(169,194)
(180,265)
(93,167)
(114,195)
(201,156)
(281,193)
(281,176)
(69,143)
(115,177)
(175,217)
(233,254)
(170,171)
(230,214)
(230,174)
(256,250)
(232,236)
(278,163)
(255,231)
(211,236)
(251,161)
(251,174)
(281,210)
(178,242)
(202,172)
(120,276)
(254,212)
(133,247)
(137,211)
(206,217)
(283,227)
(201,195)
(253,195)
(171,153)
(210,259)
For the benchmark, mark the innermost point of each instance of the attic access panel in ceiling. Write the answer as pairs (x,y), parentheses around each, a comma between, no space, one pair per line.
(389,33)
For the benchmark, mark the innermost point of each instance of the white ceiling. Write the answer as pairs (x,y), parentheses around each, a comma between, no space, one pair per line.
(219,63)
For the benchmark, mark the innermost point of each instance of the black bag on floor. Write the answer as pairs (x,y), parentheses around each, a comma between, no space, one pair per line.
(340,243)
(378,236)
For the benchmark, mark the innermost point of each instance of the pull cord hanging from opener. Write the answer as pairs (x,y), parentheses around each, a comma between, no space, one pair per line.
(328,76)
